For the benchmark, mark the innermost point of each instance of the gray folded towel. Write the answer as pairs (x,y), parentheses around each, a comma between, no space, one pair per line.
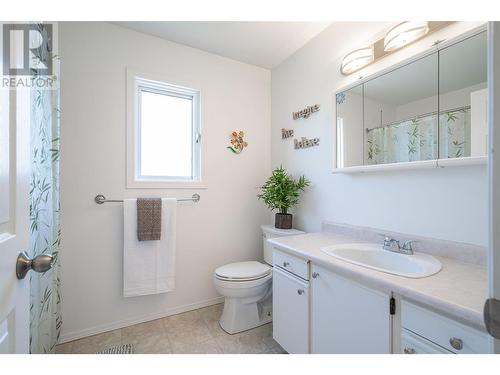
(148,219)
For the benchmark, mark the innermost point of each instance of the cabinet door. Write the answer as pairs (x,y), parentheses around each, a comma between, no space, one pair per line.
(290,312)
(347,317)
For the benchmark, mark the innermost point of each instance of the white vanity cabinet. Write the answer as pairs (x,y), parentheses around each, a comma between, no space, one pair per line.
(347,317)
(316,310)
(290,303)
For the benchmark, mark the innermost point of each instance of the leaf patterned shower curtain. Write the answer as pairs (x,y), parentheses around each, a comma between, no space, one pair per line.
(45,314)
(405,141)
(454,134)
(417,139)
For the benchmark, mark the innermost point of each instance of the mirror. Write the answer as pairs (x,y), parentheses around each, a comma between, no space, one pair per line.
(400,114)
(463,125)
(431,108)
(350,127)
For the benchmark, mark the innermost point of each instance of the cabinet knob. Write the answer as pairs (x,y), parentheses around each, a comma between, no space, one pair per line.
(456,343)
(300,291)
(409,351)
(286,264)
(315,275)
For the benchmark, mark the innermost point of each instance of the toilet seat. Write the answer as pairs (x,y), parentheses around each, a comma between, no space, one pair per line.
(242,284)
(243,271)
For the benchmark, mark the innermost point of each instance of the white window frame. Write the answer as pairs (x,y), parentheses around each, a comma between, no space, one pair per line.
(137,83)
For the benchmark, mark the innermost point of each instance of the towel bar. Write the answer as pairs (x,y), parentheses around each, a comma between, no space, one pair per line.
(100,199)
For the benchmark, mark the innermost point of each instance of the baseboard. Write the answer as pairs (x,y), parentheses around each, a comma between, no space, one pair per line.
(75,335)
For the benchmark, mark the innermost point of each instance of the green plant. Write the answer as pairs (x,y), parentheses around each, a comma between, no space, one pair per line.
(281,192)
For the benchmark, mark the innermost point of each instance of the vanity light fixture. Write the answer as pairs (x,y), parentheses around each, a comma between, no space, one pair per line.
(357,59)
(404,33)
(397,37)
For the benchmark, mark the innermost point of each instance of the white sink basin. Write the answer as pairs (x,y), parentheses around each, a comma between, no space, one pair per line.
(374,257)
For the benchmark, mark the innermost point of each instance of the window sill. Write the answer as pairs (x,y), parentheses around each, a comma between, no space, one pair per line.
(145,184)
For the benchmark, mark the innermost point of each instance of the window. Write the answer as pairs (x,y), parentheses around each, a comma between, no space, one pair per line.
(163,134)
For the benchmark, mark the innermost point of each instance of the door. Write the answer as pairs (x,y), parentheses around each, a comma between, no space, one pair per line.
(14,217)
(346,317)
(290,312)
(492,312)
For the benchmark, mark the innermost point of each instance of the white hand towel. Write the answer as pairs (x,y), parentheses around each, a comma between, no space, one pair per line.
(149,266)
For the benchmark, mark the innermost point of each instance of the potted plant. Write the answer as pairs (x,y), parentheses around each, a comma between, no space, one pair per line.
(281,192)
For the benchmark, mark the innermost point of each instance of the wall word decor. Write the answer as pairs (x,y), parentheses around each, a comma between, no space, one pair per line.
(305,143)
(306,112)
(285,133)
(237,142)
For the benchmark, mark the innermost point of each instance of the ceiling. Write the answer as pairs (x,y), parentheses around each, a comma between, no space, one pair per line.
(265,44)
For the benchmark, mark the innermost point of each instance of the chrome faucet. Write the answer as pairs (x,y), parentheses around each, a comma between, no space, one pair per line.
(394,245)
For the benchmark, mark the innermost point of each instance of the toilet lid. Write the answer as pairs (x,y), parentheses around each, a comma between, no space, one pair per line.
(243,270)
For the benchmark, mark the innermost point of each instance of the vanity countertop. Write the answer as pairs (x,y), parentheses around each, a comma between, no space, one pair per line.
(458,290)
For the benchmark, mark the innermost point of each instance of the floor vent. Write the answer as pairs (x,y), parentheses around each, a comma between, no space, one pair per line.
(118,349)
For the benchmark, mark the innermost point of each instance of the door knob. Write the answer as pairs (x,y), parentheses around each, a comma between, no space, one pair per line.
(315,275)
(40,263)
(491,314)
(300,291)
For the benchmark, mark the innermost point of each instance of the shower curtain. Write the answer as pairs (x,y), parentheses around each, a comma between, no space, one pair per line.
(417,139)
(45,315)
(405,141)
(454,134)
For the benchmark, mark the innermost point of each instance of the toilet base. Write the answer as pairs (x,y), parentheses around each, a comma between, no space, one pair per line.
(239,316)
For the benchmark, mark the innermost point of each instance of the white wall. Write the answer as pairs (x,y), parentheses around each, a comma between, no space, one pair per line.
(223,227)
(448,203)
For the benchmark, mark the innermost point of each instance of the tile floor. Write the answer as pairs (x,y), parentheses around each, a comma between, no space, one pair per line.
(193,332)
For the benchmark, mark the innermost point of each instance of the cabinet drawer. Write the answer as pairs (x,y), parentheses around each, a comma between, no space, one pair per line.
(413,344)
(292,264)
(442,330)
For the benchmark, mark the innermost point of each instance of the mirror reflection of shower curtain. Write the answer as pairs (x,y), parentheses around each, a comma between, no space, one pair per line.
(417,139)
(405,141)
(454,134)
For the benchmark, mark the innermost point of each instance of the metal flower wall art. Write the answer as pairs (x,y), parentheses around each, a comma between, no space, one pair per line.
(237,142)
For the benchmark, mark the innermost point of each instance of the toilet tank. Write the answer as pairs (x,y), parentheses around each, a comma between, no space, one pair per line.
(269,231)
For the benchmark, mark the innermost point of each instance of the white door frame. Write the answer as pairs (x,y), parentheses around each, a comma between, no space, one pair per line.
(14,230)
(494,165)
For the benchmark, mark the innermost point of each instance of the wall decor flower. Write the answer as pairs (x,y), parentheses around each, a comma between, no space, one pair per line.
(237,142)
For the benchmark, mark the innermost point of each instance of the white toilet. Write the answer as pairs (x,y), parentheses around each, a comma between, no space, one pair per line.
(247,287)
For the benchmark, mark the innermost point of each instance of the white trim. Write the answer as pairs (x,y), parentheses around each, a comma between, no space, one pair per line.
(75,335)
(494,168)
(166,185)
(421,164)
(463,162)
(137,82)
